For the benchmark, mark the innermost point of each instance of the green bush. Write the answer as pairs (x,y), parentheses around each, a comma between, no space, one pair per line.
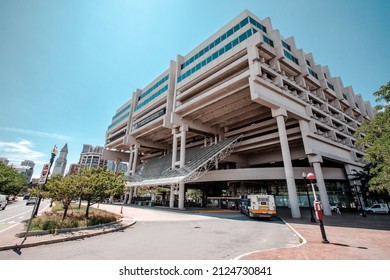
(75,218)
(101,218)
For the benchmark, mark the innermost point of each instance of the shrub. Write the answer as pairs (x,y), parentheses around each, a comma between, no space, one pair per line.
(53,220)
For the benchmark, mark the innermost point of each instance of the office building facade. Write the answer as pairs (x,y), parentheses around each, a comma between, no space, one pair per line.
(92,157)
(246,111)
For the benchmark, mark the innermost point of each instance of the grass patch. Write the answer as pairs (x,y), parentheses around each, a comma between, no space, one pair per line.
(75,218)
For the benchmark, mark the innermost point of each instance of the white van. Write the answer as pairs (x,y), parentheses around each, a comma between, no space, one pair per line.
(377,208)
(3,201)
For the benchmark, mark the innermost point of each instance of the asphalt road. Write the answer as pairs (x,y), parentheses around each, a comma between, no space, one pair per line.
(170,235)
(16,212)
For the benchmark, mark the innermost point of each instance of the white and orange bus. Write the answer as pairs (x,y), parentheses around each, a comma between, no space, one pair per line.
(258,205)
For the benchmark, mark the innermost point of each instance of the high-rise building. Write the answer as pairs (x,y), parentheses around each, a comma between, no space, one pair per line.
(74,168)
(92,157)
(246,111)
(4,160)
(61,161)
(27,171)
(29,163)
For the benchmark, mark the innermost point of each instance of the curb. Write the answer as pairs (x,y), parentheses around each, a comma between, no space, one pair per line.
(69,238)
(302,241)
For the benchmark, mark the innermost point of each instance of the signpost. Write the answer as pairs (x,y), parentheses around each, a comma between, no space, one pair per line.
(44,174)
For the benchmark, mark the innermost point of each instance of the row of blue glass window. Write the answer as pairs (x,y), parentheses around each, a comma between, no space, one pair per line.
(291,57)
(150,98)
(150,118)
(311,72)
(287,46)
(216,54)
(163,80)
(119,120)
(268,41)
(121,112)
(223,37)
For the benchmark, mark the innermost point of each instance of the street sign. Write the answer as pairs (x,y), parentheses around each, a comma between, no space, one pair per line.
(44,174)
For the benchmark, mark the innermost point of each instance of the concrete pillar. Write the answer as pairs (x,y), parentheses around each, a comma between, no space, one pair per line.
(130,195)
(130,166)
(172,197)
(280,114)
(184,129)
(174,148)
(135,158)
(181,195)
(322,188)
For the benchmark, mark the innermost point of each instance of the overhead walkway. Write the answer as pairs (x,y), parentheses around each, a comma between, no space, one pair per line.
(159,172)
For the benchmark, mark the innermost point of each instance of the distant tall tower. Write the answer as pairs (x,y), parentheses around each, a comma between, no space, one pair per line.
(59,166)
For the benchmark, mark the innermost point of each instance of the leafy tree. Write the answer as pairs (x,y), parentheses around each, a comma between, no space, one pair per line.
(11,182)
(63,189)
(98,183)
(375,140)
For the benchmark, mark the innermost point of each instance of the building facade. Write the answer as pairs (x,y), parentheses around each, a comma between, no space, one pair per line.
(4,160)
(284,113)
(92,157)
(61,161)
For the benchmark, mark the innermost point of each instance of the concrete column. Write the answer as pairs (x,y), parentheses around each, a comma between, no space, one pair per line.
(130,195)
(280,114)
(184,129)
(130,166)
(322,188)
(174,148)
(254,60)
(181,195)
(135,158)
(172,197)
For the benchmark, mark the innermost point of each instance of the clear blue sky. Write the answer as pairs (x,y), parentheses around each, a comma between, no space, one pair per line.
(67,65)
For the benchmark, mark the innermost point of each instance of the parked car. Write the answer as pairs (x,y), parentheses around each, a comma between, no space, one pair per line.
(31,200)
(3,201)
(377,208)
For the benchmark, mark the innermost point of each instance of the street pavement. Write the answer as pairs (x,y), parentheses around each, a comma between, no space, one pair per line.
(350,236)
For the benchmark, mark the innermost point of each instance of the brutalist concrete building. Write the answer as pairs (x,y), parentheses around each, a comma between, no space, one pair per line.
(246,111)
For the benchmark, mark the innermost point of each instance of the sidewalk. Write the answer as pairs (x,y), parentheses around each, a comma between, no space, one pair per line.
(350,236)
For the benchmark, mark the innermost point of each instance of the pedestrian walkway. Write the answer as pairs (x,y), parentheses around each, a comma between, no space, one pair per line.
(350,236)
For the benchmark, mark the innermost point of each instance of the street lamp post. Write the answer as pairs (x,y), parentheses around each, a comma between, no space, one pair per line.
(36,205)
(312,219)
(317,209)
(53,155)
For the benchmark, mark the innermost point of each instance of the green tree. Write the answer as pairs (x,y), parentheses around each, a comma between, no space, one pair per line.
(97,183)
(63,189)
(375,141)
(11,182)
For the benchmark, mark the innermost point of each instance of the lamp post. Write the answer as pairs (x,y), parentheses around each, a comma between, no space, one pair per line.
(317,209)
(312,219)
(53,152)
(36,205)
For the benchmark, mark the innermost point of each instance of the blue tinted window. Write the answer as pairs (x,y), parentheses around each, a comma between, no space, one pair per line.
(228,47)
(244,22)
